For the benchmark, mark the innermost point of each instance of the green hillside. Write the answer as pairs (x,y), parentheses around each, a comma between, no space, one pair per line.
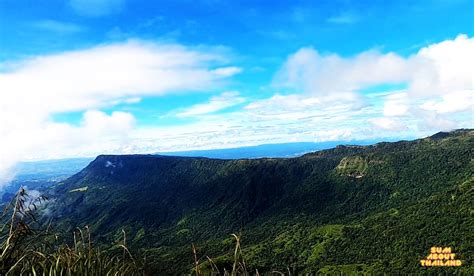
(375,208)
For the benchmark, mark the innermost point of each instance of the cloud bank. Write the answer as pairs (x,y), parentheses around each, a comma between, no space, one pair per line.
(315,97)
(35,89)
(438,79)
(438,69)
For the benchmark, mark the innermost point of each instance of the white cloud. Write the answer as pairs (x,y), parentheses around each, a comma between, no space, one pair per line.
(231,130)
(443,67)
(320,100)
(436,69)
(96,8)
(223,101)
(277,103)
(453,102)
(132,100)
(97,121)
(431,121)
(227,71)
(389,124)
(301,106)
(79,79)
(331,107)
(438,76)
(396,104)
(98,133)
(34,90)
(313,73)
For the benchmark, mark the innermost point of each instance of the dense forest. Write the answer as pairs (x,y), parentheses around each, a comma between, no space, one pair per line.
(370,209)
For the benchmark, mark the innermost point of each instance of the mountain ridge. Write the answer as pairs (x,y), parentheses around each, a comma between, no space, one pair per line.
(166,203)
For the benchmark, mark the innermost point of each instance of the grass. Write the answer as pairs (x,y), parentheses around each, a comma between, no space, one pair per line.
(26,250)
(226,265)
(209,266)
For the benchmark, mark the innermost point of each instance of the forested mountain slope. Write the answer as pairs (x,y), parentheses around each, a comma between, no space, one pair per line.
(361,208)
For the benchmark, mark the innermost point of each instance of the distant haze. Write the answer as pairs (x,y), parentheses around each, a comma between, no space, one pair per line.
(266,150)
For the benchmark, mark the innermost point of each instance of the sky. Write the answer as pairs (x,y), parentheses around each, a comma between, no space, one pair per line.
(87,77)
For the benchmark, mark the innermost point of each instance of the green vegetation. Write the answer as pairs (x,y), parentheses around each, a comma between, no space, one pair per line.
(29,251)
(354,166)
(350,209)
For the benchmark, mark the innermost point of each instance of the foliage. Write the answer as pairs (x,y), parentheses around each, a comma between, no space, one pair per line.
(367,209)
(29,251)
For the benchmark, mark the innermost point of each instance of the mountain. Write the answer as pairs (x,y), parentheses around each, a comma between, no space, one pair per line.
(377,208)
(39,175)
(42,174)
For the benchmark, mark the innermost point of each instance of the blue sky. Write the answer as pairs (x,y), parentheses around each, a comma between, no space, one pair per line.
(122,76)
(251,28)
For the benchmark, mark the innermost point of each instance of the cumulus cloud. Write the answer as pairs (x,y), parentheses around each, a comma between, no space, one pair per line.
(432,120)
(444,67)
(389,124)
(97,133)
(321,90)
(452,102)
(309,71)
(223,101)
(319,99)
(396,104)
(437,69)
(438,79)
(35,89)
(97,122)
(89,78)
